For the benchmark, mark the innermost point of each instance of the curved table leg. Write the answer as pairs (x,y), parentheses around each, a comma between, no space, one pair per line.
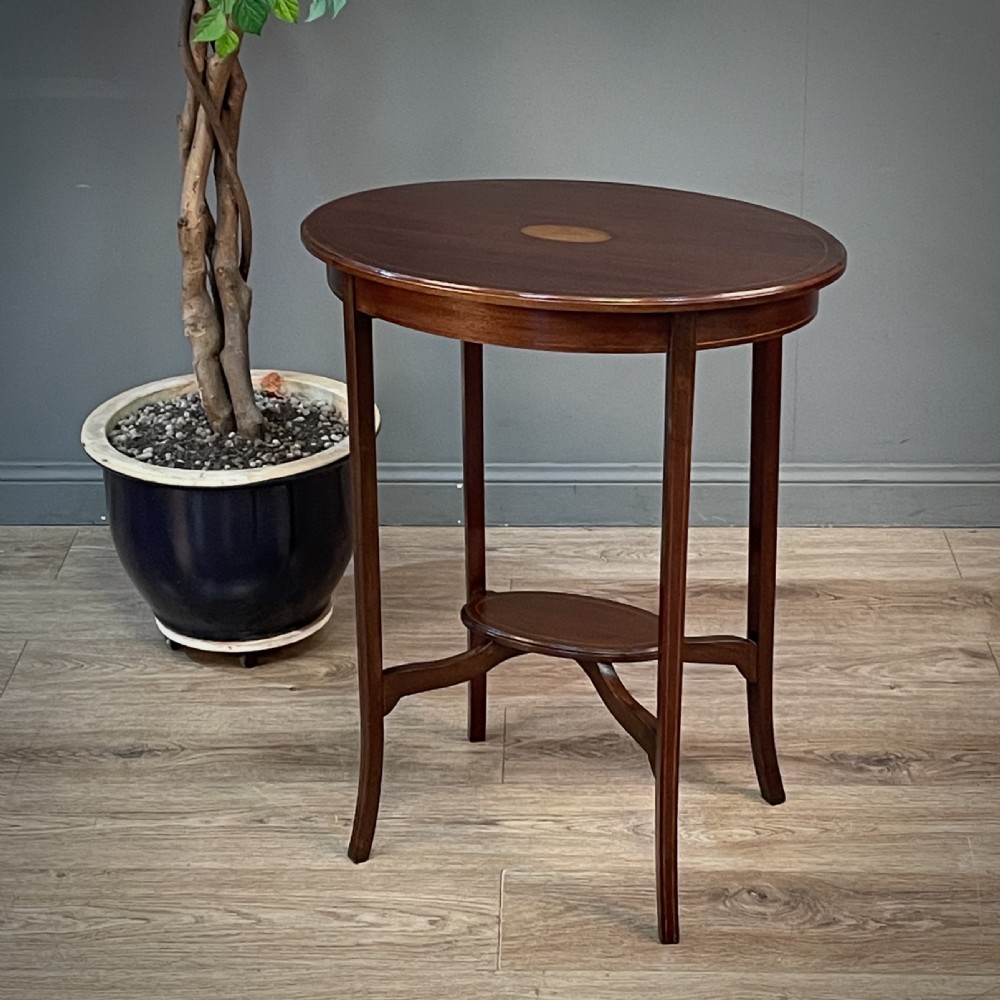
(765,427)
(367,581)
(629,713)
(673,581)
(473,475)
(369,786)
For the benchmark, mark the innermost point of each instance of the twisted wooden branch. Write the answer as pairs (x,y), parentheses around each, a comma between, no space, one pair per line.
(215,250)
(226,148)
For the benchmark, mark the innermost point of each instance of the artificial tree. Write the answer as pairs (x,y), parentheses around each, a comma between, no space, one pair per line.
(216,246)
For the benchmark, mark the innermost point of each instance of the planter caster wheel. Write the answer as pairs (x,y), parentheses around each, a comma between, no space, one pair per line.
(247,660)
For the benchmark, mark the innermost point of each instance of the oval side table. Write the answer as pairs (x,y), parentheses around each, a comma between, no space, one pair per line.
(574,266)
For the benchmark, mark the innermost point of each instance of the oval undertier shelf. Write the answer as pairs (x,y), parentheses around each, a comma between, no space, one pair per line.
(569,625)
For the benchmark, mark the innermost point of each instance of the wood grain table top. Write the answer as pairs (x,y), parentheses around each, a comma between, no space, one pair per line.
(573,245)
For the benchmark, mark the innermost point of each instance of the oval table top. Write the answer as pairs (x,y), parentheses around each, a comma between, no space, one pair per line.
(573,245)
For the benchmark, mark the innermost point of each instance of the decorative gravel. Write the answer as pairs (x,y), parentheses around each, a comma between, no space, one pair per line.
(174,433)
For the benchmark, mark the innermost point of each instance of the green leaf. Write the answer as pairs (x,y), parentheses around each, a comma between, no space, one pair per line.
(316,9)
(227,44)
(212,26)
(250,15)
(286,10)
(337,6)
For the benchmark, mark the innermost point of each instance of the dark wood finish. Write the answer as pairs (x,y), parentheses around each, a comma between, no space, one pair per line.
(430,675)
(765,443)
(734,649)
(474,488)
(670,251)
(673,587)
(568,625)
(532,327)
(578,267)
(367,581)
(629,713)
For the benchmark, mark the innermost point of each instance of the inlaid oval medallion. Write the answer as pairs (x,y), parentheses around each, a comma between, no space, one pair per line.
(567,234)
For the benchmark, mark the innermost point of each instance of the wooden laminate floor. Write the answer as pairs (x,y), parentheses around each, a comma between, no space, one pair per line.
(174,826)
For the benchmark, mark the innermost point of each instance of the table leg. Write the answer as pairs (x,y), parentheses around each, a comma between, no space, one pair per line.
(765,428)
(367,582)
(473,475)
(673,582)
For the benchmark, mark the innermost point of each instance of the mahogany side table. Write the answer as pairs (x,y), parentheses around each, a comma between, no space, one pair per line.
(592,267)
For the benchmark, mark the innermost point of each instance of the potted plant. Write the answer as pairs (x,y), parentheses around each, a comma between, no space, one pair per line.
(227,490)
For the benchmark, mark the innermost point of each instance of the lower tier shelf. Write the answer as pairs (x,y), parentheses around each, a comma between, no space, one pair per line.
(573,626)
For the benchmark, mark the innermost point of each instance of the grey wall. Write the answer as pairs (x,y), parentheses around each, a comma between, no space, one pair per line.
(878,120)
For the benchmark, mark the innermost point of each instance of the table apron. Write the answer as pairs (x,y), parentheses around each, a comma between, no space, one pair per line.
(599,332)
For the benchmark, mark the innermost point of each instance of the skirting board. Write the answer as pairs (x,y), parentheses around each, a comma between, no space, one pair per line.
(543,494)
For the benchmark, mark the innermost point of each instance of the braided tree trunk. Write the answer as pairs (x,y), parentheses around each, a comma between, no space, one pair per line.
(215,247)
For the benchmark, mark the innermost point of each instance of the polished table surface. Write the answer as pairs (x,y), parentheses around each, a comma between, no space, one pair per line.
(512,241)
(583,267)
(637,253)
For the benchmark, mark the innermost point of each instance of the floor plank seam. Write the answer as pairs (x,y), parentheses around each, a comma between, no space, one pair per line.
(979,894)
(993,653)
(69,548)
(503,875)
(954,558)
(17,660)
(503,749)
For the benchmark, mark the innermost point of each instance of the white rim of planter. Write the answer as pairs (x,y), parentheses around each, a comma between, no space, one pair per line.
(240,646)
(94,435)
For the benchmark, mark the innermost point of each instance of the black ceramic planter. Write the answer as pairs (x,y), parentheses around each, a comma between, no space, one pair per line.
(237,560)
(236,564)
